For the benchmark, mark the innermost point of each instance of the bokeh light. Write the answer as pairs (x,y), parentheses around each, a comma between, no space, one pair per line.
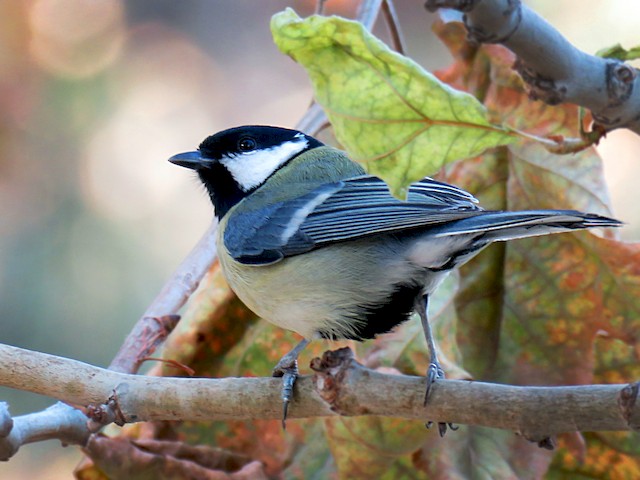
(76,38)
(166,89)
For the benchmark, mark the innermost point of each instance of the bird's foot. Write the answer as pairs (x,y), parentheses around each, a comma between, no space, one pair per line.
(435,372)
(442,427)
(287,368)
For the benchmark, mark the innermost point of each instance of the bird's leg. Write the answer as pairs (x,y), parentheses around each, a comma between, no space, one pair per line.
(287,368)
(434,371)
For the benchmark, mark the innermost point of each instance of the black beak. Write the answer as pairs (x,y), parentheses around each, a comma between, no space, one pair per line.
(193,160)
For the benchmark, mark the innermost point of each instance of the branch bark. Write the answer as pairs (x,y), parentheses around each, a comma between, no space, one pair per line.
(555,71)
(68,423)
(340,386)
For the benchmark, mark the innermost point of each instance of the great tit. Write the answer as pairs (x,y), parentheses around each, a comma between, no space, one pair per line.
(313,244)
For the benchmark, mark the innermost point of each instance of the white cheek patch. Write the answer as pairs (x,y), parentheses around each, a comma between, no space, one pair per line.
(251,169)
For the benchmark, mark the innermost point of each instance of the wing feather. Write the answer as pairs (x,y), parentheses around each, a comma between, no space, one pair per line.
(363,206)
(341,211)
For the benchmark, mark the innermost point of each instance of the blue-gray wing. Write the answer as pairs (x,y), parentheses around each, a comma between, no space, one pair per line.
(341,211)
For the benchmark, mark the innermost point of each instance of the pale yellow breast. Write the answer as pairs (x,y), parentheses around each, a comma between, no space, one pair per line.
(321,290)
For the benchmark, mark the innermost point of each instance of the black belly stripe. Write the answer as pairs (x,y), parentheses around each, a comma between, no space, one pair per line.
(383,317)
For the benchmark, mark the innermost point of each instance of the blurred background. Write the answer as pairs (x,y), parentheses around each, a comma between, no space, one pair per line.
(95,95)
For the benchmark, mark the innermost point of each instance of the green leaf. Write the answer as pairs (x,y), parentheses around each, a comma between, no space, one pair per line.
(389,113)
(262,346)
(617,51)
(608,455)
(375,447)
(311,458)
(480,453)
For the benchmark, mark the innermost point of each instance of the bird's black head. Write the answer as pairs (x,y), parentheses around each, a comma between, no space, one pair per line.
(234,162)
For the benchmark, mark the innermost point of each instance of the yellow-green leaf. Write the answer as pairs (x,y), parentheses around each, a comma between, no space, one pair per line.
(388,112)
(618,52)
(375,447)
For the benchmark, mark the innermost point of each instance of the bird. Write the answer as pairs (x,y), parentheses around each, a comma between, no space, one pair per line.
(311,243)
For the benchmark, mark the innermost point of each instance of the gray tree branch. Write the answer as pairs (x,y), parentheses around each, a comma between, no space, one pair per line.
(339,386)
(554,70)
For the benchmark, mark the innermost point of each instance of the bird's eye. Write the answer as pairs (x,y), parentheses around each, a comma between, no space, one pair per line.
(246,144)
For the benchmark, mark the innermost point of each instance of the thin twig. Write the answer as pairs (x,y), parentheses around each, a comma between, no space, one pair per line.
(314,121)
(391,19)
(368,13)
(171,298)
(320,7)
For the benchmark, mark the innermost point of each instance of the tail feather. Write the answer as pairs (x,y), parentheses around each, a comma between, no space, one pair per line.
(499,226)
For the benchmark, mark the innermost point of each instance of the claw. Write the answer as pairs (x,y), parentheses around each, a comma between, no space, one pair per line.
(288,380)
(285,407)
(434,372)
(287,368)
